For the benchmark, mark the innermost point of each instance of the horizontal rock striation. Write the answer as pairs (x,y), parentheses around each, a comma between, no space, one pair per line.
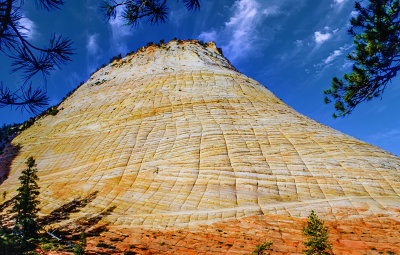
(174,135)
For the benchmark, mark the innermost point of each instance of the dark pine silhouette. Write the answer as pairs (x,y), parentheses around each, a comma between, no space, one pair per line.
(151,11)
(27,57)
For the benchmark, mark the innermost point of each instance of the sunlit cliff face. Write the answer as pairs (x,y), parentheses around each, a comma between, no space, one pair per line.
(174,135)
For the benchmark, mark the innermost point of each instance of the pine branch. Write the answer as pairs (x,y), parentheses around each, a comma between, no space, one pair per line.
(26,57)
(150,11)
(376,57)
(31,99)
(49,4)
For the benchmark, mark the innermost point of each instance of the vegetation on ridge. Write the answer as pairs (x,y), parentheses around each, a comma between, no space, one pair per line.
(31,60)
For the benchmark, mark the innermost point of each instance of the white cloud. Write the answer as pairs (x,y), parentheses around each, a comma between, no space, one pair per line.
(273,10)
(241,34)
(354,13)
(27,27)
(387,134)
(208,36)
(118,24)
(347,64)
(93,52)
(241,27)
(299,43)
(92,45)
(333,56)
(338,4)
(119,31)
(321,37)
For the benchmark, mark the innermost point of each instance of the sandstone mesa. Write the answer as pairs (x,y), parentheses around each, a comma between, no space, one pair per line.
(174,138)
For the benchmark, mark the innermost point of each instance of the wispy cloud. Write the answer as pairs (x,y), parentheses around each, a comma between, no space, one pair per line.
(92,45)
(387,134)
(338,4)
(240,34)
(119,32)
(208,35)
(333,56)
(347,65)
(339,1)
(27,27)
(242,25)
(299,43)
(354,13)
(94,52)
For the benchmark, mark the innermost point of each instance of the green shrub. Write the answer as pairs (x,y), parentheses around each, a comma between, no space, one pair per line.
(203,43)
(115,58)
(9,243)
(49,247)
(51,111)
(81,245)
(263,248)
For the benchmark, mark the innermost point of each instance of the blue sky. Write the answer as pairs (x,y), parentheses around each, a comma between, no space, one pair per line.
(294,48)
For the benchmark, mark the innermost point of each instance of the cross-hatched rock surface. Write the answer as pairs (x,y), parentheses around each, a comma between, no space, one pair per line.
(174,135)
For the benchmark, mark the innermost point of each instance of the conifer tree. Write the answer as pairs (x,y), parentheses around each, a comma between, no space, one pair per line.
(26,204)
(81,245)
(376,58)
(317,237)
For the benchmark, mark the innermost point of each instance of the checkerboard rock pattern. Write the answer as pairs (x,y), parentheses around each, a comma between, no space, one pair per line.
(175,136)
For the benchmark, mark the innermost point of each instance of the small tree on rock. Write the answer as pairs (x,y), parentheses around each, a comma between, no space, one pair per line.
(26,204)
(263,249)
(81,245)
(317,237)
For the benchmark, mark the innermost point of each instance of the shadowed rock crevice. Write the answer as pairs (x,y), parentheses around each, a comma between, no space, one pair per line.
(64,211)
(9,153)
(72,229)
(91,221)
(7,204)
(91,225)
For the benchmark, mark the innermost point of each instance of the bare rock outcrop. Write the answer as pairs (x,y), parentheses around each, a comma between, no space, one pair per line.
(174,136)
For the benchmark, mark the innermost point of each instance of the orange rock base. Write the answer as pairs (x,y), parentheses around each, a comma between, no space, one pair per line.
(379,235)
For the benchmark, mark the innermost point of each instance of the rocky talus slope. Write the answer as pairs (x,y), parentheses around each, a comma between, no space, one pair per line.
(173,138)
